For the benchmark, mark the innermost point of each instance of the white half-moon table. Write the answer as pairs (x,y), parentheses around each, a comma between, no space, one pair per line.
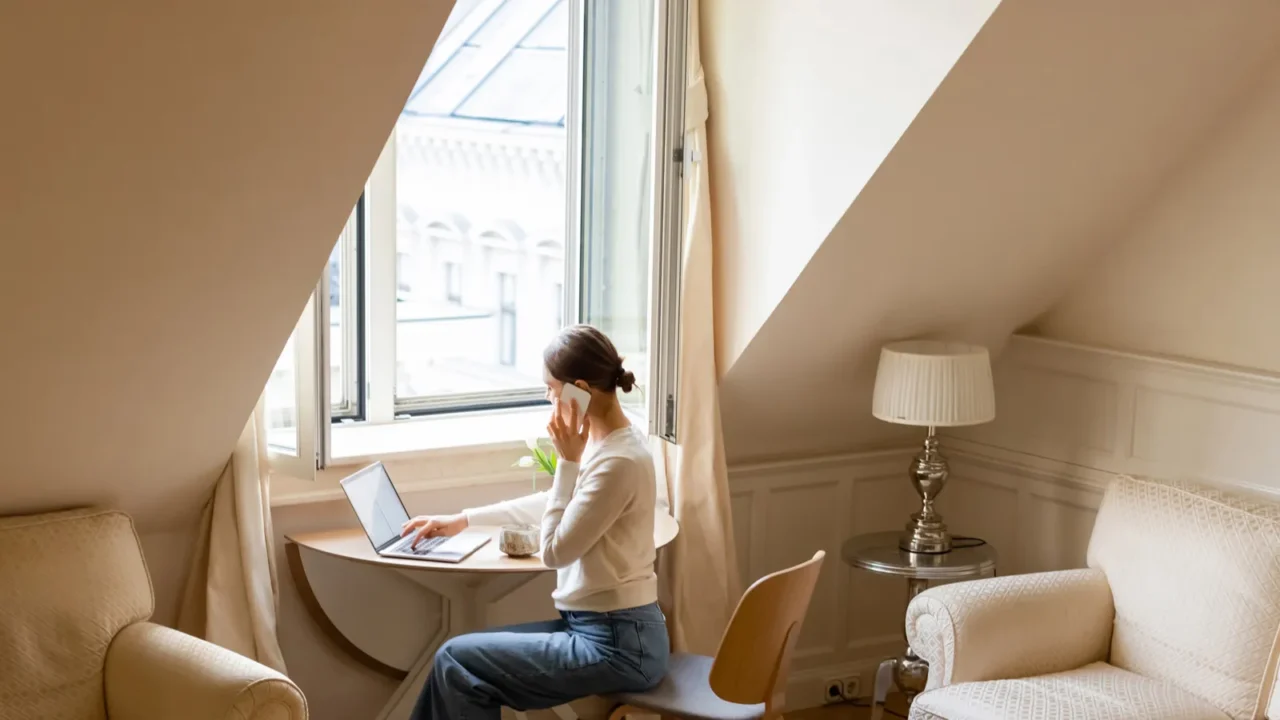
(387,631)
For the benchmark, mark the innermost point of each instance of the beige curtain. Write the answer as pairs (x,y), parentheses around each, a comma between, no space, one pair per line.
(700,569)
(232,596)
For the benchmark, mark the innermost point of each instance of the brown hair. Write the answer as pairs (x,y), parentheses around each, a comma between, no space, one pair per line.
(581,352)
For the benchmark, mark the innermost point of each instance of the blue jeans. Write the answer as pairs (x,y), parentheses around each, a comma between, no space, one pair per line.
(542,665)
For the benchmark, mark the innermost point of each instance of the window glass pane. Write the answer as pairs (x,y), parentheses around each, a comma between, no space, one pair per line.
(619,113)
(552,31)
(338,365)
(442,93)
(480,221)
(507,318)
(281,402)
(346,328)
(527,87)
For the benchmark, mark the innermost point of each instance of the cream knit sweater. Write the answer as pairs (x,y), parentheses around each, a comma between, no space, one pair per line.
(597,525)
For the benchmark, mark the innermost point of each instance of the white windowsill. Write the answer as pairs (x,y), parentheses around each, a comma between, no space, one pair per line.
(436,452)
(360,443)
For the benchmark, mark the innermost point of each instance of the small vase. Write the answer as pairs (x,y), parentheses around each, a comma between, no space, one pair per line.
(518,541)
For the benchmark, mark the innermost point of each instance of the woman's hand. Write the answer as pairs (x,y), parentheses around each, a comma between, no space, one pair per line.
(428,526)
(568,439)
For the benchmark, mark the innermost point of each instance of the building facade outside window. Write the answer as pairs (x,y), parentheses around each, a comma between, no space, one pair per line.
(520,190)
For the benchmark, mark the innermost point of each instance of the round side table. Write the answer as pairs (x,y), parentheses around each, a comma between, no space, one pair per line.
(879,553)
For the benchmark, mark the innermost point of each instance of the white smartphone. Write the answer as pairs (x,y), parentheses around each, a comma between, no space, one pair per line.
(568,394)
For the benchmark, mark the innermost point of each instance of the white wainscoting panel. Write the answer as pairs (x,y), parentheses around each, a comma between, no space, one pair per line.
(786,511)
(1070,418)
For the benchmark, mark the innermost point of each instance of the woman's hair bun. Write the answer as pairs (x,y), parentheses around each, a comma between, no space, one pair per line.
(626,379)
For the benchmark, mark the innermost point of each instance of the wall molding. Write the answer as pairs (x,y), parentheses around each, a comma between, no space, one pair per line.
(1071,418)
(784,511)
(1089,412)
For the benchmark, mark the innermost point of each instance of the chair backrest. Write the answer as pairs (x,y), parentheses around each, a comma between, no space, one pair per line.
(1195,576)
(68,583)
(754,658)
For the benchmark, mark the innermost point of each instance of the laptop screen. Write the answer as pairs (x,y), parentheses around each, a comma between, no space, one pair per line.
(376,503)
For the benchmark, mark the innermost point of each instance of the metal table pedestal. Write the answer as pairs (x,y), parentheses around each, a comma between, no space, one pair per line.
(879,553)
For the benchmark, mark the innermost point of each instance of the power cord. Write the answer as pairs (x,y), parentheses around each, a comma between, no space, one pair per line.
(962,542)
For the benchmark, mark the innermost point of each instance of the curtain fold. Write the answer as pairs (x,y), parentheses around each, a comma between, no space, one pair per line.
(700,570)
(232,595)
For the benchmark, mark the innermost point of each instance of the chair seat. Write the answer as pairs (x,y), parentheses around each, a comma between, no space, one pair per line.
(1094,692)
(686,692)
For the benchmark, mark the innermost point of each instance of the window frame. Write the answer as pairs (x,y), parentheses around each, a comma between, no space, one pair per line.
(375,282)
(352,247)
(667,250)
(311,394)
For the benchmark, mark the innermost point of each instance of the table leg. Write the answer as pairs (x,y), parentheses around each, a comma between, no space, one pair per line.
(908,672)
(466,598)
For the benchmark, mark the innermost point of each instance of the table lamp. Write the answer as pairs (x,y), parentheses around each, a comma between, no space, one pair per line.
(932,384)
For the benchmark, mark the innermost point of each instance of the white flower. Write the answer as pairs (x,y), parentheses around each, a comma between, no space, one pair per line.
(531,443)
(525,462)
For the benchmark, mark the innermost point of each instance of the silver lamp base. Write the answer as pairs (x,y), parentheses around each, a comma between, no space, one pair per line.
(926,533)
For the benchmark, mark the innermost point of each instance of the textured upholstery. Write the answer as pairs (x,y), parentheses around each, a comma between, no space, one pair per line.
(1195,574)
(74,595)
(68,583)
(992,629)
(1193,577)
(1097,691)
(155,672)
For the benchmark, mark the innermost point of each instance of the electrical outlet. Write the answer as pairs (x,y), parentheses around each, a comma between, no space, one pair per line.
(834,692)
(852,687)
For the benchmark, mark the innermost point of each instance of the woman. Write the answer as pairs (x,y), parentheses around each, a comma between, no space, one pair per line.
(597,532)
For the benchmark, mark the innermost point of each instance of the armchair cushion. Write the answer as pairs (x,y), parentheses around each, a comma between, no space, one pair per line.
(1095,692)
(155,673)
(1011,627)
(68,583)
(1194,573)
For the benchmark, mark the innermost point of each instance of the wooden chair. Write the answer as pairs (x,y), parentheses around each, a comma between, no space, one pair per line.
(747,679)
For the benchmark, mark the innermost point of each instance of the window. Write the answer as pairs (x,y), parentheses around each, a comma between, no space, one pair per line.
(507,319)
(557,302)
(345,320)
(532,180)
(453,283)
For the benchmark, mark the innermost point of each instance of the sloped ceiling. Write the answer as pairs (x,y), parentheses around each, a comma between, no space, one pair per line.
(174,177)
(1195,274)
(807,100)
(1057,125)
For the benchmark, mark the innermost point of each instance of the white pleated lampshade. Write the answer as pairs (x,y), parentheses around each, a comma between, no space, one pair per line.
(929,382)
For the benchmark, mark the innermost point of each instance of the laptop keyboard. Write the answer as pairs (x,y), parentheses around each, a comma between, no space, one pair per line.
(426,546)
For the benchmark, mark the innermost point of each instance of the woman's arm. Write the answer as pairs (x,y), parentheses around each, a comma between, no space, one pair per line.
(575,521)
(525,510)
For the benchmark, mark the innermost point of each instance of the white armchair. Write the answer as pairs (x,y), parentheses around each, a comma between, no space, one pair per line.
(1176,618)
(74,642)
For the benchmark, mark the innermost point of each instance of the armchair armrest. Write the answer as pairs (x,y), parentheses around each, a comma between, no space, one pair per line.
(1011,627)
(155,673)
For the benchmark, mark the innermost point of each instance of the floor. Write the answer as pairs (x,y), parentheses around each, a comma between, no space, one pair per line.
(896,708)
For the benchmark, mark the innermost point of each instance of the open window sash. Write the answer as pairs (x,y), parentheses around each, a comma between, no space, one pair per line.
(667,258)
(626,130)
(297,396)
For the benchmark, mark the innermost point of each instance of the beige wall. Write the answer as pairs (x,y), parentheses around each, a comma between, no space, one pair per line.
(807,98)
(173,179)
(1049,135)
(1196,274)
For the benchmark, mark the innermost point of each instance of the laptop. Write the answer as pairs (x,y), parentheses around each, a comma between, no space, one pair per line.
(382,514)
